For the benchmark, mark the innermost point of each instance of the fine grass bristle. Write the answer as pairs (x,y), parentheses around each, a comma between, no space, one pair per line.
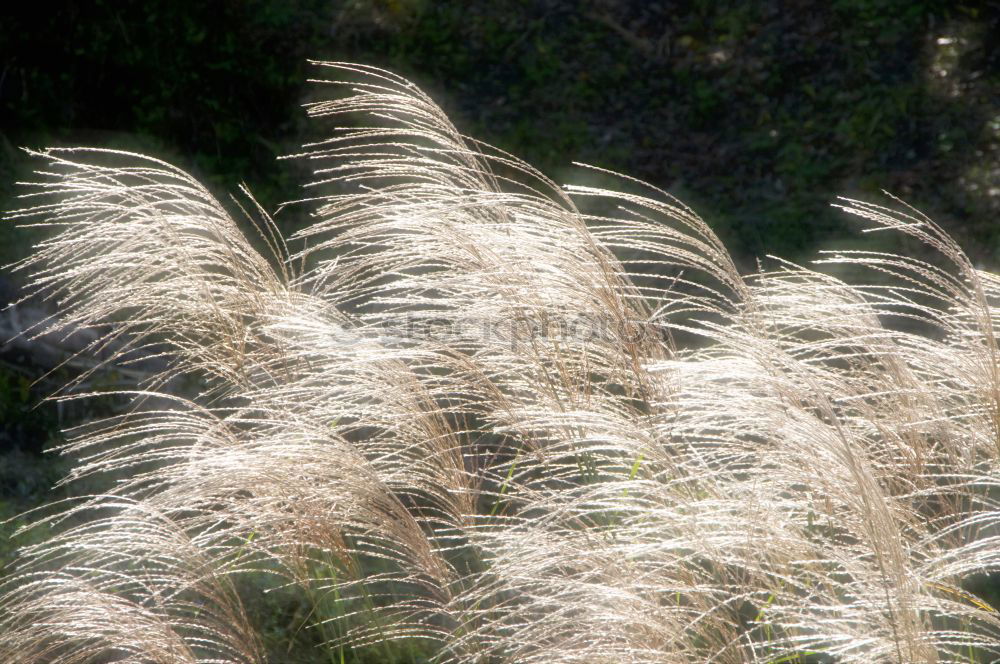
(513,422)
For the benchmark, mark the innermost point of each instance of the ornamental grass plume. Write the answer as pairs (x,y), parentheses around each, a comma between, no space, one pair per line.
(470,414)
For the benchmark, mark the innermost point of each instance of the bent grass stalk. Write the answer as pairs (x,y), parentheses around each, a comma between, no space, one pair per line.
(773,467)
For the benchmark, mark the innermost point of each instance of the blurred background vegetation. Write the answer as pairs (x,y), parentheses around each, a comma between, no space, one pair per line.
(757,114)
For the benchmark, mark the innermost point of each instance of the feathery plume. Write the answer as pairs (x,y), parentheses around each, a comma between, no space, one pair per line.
(515,422)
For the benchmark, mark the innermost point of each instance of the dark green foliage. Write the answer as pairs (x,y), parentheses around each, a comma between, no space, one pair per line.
(213,85)
(758,113)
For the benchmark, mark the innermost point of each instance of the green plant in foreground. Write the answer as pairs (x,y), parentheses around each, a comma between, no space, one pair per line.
(464,413)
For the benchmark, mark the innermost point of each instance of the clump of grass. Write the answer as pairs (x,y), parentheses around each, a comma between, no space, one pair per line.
(471,415)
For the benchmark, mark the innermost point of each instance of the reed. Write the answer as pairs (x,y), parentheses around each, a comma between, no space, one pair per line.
(514,421)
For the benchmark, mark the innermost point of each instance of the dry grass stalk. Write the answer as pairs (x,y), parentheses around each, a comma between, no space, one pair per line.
(566,437)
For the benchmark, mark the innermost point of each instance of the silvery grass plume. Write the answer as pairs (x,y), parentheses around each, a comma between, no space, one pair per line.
(474,415)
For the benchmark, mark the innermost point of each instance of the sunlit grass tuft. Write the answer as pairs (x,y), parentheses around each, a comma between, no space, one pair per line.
(457,411)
